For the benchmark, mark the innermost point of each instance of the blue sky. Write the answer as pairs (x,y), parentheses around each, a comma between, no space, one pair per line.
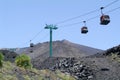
(21,20)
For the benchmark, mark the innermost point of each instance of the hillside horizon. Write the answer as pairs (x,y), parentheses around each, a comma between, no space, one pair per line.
(15,48)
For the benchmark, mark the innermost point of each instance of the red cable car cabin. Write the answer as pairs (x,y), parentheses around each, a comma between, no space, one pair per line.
(84,30)
(104,19)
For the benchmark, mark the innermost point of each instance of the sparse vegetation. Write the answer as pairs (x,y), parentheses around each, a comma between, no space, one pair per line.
(96,67)
(1,59)
(12,72)
(23,61)
(64,76)
(115,57)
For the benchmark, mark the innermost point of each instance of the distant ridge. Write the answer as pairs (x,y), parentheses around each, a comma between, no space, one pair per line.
(63,48)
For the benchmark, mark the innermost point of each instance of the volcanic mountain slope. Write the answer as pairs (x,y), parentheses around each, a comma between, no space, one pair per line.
(105,66)
(62,48)
(111,51)
(90,66)
(102,66)
(9,55)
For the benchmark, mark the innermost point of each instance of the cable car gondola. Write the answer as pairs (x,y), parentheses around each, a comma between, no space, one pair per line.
(84,29)
(104,19)
(31,45)
(31,50)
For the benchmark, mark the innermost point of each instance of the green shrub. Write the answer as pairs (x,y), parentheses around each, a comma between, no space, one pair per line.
(115,57)
(1,59)
(23,61)
(64,76)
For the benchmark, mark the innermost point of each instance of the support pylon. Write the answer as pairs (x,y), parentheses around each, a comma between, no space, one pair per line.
(51,27)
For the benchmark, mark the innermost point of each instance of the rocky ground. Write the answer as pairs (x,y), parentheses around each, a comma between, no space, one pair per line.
(87,68)
(10,71)
(101,66)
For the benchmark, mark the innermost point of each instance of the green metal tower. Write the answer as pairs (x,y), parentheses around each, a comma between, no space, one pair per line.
(51,27)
